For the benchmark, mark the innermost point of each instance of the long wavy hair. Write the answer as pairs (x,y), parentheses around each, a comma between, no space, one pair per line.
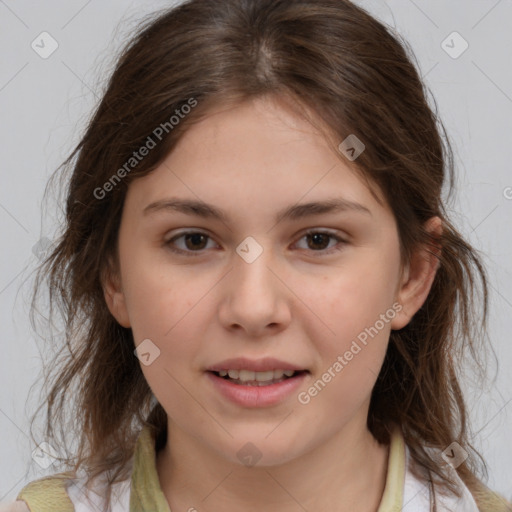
(359,77)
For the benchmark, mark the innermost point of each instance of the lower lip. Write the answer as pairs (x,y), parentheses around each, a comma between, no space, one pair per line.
(257,396)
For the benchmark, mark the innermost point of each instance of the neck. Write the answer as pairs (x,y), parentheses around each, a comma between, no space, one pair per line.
(345,473)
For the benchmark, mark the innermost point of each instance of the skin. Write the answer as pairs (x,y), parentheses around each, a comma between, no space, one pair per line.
(296,302)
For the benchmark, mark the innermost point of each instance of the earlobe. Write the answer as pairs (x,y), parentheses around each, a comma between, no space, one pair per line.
(418,277)
(114,297)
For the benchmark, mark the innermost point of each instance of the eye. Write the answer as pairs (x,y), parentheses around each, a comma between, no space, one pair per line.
(195,242)
(320,240)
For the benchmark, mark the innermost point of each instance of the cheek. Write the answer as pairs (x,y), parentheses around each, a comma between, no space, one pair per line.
(355,309)
(353,298)
(354,347)
(168,307)
(370,284)
(164,308)
(157,295)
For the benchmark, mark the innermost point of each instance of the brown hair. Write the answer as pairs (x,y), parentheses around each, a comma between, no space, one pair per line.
(358,76)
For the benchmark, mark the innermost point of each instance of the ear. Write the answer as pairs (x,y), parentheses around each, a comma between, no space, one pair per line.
(114,295)
(418,277)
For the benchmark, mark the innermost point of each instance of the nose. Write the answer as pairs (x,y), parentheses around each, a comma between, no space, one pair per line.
(255,299)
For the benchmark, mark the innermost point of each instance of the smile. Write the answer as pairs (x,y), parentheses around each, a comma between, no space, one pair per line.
(257,389)
(251,378)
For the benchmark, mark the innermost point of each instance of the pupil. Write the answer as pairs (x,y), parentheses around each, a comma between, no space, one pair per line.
(317,236)
(194,237)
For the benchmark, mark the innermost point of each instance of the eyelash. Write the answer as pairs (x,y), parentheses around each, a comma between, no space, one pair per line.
(169,242)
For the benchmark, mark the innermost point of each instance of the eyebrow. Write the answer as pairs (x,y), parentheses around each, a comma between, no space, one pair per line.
(294,212)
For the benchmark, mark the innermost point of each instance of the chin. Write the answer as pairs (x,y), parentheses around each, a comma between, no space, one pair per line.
(258,451)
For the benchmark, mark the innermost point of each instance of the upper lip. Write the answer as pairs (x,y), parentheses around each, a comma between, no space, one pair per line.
(255,365)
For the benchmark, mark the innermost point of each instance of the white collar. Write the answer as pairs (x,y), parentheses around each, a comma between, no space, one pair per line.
(416,495)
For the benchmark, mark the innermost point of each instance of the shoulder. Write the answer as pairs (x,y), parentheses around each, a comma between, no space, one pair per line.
(69,492)
(15,506)
(94,496)
(46,494)
(490,501)
(62,492)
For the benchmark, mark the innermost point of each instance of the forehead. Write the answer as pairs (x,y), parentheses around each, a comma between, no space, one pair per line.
(255,129)
(261,151)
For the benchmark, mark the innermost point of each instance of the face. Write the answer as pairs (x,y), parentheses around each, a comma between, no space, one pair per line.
(317,290)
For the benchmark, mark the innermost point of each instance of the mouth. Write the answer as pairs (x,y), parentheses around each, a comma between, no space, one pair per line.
(252,378)
(256,389)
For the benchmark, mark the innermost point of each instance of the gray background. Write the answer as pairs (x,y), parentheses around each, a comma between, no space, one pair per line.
(44,106)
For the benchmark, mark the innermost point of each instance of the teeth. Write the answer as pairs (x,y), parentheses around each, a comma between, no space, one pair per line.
(263,376)
(233,374)
(248,375)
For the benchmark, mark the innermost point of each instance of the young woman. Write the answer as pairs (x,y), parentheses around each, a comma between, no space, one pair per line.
(264,298)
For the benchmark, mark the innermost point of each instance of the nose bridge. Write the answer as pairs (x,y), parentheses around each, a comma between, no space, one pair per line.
(254,299)
(252,269)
